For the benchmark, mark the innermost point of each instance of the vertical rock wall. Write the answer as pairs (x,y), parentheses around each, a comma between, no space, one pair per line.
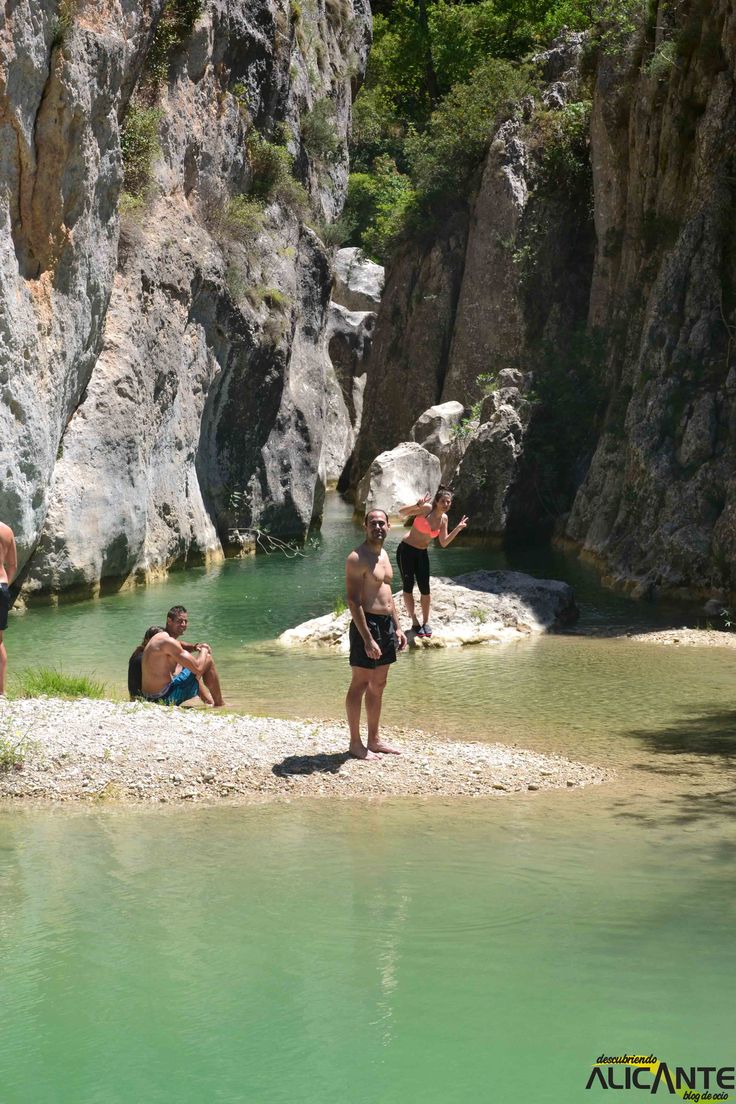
(151,369)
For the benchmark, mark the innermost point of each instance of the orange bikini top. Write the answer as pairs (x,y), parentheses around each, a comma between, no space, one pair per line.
(422,526)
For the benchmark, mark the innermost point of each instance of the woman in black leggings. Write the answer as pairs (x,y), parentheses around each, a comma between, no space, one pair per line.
(430,521)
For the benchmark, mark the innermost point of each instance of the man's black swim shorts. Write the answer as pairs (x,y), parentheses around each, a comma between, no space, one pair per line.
(4,605)
(381,628)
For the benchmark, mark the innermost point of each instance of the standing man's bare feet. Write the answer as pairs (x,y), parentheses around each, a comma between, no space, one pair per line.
(383,749)
(361,752)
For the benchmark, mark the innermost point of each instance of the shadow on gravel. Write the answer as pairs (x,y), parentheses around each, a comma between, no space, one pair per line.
(311,764)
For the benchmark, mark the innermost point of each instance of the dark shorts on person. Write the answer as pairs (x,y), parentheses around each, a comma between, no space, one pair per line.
(413,563)
(5,605)
(381,628)
(181,688)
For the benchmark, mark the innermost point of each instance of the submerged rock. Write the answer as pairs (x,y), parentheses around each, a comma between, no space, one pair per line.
(481,607)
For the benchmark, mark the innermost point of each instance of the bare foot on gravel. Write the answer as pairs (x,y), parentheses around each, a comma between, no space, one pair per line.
(362,753)
(384,749)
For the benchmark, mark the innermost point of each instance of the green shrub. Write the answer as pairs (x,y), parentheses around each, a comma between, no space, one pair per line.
(243,218)
(174,27)
(63,23)
(319,132)
(564,139)
(340,605)
(273,181)
(377,203)
(334,234)
(13,747)
(139,145)
(444,156)
(49,682)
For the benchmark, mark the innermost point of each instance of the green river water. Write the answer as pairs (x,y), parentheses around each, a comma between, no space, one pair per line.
(418,951)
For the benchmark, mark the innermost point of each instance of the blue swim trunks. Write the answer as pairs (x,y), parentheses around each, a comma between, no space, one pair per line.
(181,688)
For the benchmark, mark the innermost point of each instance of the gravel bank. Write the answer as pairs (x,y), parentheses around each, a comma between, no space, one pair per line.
(131,752)
(692,638)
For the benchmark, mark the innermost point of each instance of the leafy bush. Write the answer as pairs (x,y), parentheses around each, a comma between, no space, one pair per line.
(334,234)
(564,137)
(173,28)
(243,219)
(377,203)
(319,132)
(273,179)
(443,157)
(140,146)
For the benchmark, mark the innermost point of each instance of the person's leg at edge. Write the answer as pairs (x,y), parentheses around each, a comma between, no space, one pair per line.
(211,680)
(373,702)
(3,664)
(426,600)
(409,606)
(353,703)
(204,693)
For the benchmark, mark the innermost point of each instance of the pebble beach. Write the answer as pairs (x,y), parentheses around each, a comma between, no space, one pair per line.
(131,752)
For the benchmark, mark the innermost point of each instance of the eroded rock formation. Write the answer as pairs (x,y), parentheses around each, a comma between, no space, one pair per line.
(152,372)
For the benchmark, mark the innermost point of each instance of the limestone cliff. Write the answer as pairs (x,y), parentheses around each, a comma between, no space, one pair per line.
(158,366)
(619,432)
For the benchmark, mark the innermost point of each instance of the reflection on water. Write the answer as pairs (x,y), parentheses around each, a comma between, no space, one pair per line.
(382,951)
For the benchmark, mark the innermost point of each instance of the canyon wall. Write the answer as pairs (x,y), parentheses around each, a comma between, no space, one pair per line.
(162,344)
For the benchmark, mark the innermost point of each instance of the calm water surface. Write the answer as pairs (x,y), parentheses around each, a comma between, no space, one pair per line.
(392,951)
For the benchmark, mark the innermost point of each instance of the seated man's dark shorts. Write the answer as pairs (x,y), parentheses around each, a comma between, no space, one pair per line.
(381,628)
(4,605)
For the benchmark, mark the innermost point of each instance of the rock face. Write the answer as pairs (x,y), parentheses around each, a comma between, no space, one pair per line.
(156,365)
(482,607)
(358,280)
(398,478)
(657,508)
(467,316)
(623,327)
(348,339)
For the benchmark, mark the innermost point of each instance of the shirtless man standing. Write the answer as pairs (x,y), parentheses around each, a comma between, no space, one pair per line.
(8,568)
(170,674)
(374,633)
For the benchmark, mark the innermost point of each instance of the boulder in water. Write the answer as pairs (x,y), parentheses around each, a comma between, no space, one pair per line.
(481,607)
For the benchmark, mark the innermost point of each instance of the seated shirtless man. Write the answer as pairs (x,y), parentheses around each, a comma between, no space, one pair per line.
(170,674)
(177,622)
(375,634)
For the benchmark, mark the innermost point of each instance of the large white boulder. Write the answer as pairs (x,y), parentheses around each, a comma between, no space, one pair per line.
(398,477)
(481,607)
(358,281)
(436,430)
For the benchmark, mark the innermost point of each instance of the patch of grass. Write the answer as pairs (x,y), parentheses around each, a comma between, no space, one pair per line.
(235,283)
(140,146)
(480,616)
(36,682)
(340,605)
(274,298)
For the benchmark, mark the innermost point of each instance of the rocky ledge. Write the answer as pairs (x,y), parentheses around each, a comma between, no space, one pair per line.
(481,607)
(134,752)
